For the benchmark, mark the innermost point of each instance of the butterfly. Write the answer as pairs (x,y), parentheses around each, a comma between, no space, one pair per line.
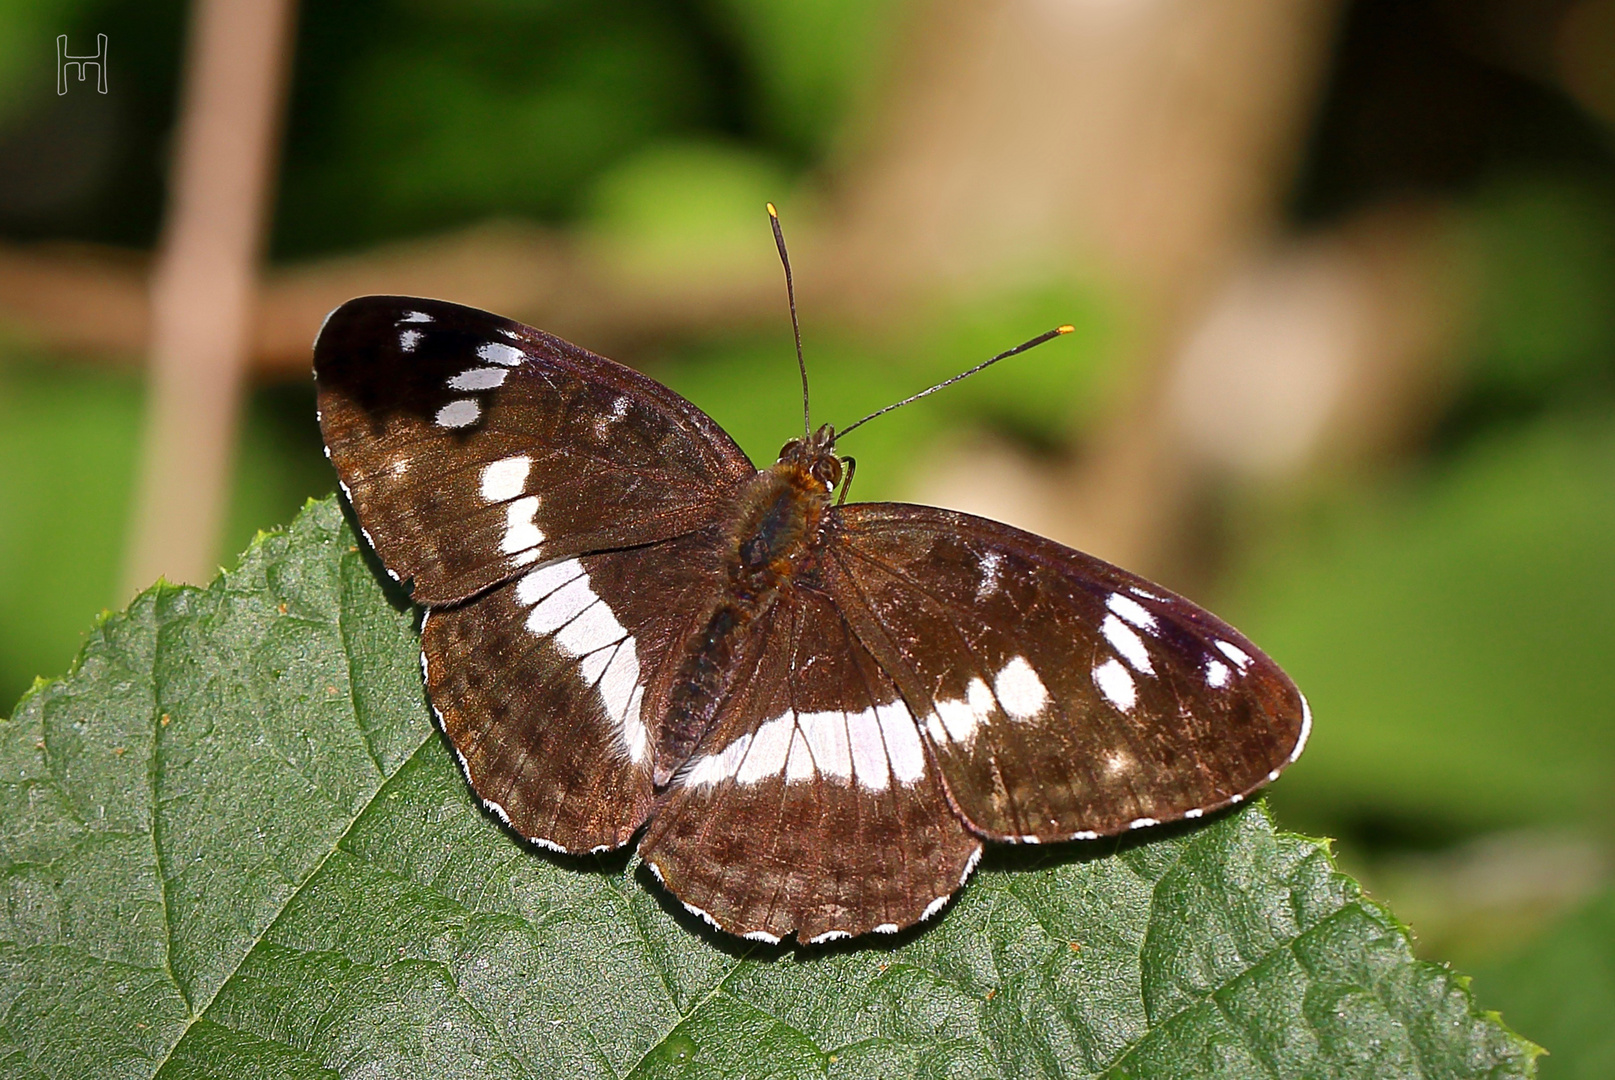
(812,714)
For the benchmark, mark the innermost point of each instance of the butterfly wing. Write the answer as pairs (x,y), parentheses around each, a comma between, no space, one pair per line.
(471,446)
(549,685)
(811,806)
(1061,696)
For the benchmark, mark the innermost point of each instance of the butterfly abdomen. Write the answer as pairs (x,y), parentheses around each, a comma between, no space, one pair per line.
(773,528)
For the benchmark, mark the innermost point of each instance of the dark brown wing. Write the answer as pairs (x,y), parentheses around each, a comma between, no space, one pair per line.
(1063,697)
(549,685)
(811,807)
(471,446)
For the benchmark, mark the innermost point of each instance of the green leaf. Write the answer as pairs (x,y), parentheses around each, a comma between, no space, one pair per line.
(233,847)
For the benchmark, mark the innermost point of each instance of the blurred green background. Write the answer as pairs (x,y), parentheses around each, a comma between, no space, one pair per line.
(1446,597)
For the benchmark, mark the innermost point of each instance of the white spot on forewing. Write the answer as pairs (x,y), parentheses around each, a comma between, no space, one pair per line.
(1142,823)
(1124,640)
(497,352)
(826,734)
(479,378)
(981,700)
(970,865)
(1306,727)
(545,580)
(1020,691)
(1239,656)
(408,339)
(459,413)
(1085,834)
(520,532)
(991,567)
(761,935)
(829,935)
(1192,814)
(959,721)
(1132,611)
(1217,674)
(903,747)
(414,316)
(933,907)
(868,751)
(887,928)
(769,749)
(1116,684)
(506,478)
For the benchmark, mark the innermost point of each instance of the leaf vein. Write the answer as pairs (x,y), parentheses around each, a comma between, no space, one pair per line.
(290,898)
(353,696)
(154,787)
(693,1009)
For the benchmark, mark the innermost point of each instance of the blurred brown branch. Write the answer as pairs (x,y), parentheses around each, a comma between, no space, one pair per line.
(95,302)
(202,284)
(1146,146)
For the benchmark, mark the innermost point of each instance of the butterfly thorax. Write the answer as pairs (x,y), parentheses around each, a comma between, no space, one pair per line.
(772,531)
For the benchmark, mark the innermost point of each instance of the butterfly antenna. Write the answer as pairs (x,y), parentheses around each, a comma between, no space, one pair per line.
(796,328)
(1022,347)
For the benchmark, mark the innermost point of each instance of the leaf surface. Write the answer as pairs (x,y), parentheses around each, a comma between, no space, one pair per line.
(233,846)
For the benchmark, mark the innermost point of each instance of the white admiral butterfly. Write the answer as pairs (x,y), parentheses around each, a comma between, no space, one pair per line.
(815,712)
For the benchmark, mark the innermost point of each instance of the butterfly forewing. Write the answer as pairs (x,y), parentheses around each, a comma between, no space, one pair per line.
(549,686)
(811,806)
(1062,696)
(472,447)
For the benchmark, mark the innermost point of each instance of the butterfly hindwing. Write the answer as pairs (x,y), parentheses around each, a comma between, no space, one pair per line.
(811,806)
(1062,697)
(549,685)
(471,446)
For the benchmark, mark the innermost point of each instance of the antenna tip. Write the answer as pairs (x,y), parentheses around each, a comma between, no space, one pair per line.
(772,212)
(1066,329)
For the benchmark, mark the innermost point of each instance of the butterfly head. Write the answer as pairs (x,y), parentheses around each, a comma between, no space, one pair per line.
(816,454)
